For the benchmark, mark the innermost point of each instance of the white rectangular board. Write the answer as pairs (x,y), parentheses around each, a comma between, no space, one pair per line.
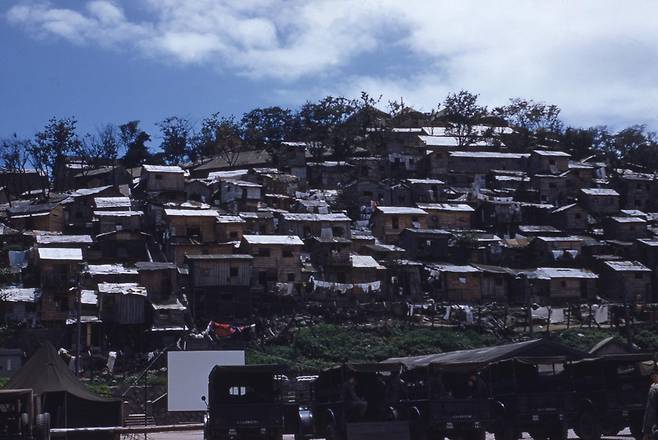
(187,376)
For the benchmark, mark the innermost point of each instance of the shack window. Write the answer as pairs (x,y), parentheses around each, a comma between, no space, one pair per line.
(264,252)
(395,222)
(233,271)
(291,277)
(233,234)
(639,276)
(287,252)
(158,177)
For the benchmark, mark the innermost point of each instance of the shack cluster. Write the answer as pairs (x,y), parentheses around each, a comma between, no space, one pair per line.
(418,218)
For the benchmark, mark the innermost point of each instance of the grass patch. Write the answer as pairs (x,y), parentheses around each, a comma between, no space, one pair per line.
(324,345)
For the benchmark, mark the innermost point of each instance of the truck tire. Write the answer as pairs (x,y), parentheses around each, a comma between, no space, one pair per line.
(508,432)
(636,431)
(558,433)
(330,432)
(588,426)
(43,426)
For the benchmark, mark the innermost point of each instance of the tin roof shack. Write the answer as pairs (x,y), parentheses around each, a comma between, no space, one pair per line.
(230,227)
(329,174)
(600,201)
(448,215)
(196,224)
(19,304)
(319,225)
(499,214)
(365,273)
(551,188)
(506,180)
(276,259)
(497,283)
(425,190)
(646,251)
(109,221)
(162,179)
(63,241)
(404,280)
(572,217)
(389,221)
(276,182)
(199,190)
(108,175)
(548,162)
(454,283)
(425,244)
(637,190)
(626,281)
(581,175)
(122,303)
(558,251)
(95,274)
(291,157)
(625,228)
(220,286)
(79,206)
(464,166)
(159,278)
(17,182)
(372,168)
(261,223)
(329,254)
(241,159)
(59,270)
(42,217)
(239,195)
(560,285)
(121,246)
(166,318)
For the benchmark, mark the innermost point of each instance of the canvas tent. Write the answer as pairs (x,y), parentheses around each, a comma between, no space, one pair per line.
(69,402)
(536,350)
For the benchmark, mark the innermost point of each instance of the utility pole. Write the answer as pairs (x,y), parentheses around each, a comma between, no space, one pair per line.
(78,342)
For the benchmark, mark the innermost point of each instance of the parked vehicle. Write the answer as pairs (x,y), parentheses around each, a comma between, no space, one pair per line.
(245,402)
(19,419)
(612,392)
(362,401)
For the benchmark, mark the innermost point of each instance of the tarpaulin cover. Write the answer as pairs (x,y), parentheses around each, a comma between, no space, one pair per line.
(68,400)
(481,357)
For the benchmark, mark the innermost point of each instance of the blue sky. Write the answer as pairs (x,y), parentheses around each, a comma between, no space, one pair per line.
(117,60)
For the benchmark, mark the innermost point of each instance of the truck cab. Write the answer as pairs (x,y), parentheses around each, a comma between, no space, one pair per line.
(362,401)
(246,402)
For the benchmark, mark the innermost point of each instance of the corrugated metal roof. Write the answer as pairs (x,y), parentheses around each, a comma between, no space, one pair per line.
(57,239)
(274,239)
(163,169)
(191,212)
(64,254)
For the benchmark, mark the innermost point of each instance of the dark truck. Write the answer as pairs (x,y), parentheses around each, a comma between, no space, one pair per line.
(459,404)
(362,401)
(246,402)
(505,390)
(19,419)
(535,396)
(612,392)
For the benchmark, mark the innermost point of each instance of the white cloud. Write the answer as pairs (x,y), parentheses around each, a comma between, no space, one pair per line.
(594,58)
